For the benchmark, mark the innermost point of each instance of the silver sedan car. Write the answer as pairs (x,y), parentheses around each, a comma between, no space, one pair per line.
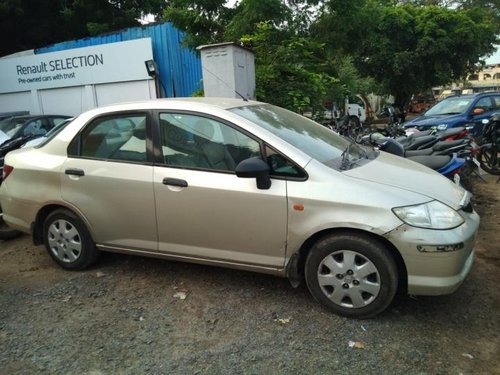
(245,185)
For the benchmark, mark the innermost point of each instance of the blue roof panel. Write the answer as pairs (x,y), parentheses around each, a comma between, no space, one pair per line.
(179,67)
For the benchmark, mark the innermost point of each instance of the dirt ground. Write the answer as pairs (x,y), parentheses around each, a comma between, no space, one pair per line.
(126,315)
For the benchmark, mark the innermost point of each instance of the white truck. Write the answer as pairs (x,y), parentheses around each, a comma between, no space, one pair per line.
(355,108)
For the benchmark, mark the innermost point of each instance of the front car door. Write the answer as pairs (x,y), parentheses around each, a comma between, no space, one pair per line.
(204,211)
(108,177)
(489,104)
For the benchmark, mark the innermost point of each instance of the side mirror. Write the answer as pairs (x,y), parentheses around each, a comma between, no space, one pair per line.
(255,168)
(477,111)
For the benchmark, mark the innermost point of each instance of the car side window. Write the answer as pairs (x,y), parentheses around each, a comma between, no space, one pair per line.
(496,102)
(281,166)
(192,141)
(117,138)
(35,127)
(56,121)
(485,103)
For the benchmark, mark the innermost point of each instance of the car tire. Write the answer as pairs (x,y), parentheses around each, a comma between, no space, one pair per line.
(68,241)
(351,275)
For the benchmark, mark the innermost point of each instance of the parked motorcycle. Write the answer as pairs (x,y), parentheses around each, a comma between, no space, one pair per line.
(460,140)
(349,128)
(447,164)
(427,139)
(424,145)
(488,155)
(394,127)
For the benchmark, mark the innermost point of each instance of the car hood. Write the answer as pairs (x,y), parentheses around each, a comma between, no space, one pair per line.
(395,171)
(425,120)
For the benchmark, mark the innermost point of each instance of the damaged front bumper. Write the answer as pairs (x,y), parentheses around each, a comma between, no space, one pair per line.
(437,261)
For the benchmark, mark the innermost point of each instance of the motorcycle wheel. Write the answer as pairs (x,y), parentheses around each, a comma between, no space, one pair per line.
(7,233)
(489,159)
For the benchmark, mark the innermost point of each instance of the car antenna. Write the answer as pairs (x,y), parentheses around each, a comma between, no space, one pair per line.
(225,83)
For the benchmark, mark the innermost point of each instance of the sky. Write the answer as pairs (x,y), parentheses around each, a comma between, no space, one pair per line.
(495,58)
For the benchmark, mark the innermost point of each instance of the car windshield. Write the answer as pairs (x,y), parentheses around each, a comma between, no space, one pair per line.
(10,126)
(308,136)
(450,106)
(39,142)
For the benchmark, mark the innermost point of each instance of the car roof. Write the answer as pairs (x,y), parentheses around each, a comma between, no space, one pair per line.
(31,117)
(472,96)
(222,103)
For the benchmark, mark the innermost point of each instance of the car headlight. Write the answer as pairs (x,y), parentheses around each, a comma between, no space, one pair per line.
(431,215)
(442,127)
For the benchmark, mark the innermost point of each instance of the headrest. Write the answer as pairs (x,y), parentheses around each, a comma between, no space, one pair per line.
(204,129)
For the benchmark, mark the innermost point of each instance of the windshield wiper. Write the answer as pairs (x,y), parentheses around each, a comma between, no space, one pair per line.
(345,163)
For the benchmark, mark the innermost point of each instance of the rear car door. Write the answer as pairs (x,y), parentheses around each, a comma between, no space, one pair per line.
(204,211)
(108,177)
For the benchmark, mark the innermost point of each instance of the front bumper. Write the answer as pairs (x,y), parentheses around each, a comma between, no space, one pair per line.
(437,261)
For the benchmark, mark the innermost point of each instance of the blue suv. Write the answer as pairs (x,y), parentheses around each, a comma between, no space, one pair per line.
(457,111)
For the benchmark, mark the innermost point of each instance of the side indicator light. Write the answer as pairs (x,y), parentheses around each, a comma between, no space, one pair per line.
(298,207)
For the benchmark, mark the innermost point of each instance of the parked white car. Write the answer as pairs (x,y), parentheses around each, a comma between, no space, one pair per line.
(245,185)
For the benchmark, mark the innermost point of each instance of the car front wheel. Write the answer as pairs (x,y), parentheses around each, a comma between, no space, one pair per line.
(352,275)
(68,241)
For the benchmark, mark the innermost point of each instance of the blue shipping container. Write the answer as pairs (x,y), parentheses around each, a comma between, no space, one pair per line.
(179,67)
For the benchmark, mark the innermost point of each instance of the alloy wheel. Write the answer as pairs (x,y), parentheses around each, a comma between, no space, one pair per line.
(349,279)
(64,241)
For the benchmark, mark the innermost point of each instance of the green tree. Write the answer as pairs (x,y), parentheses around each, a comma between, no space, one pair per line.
(210,21)
(408,48)
(290,69)
(204,21)
(402,47)
(249,13)
(27,24)
(415,48)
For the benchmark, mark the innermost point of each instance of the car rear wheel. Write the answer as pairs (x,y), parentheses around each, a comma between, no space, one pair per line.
(352,275)
(68,241)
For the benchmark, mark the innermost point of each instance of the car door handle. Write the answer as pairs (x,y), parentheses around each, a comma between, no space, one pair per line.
(75,172)
(175,182)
